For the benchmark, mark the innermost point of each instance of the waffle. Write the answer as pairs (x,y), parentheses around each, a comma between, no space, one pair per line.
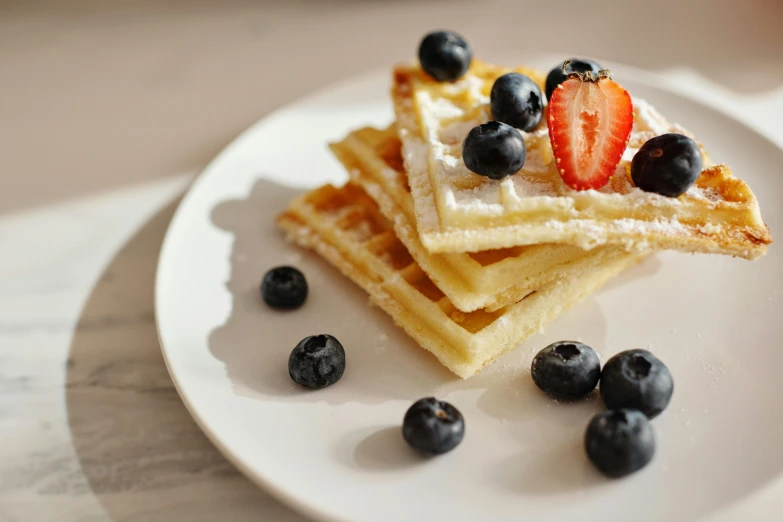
(459,211)
(344,225)
(491,279)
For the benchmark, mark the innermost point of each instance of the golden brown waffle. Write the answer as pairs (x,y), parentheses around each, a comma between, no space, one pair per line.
(345,227)
(490,279)
(459,211)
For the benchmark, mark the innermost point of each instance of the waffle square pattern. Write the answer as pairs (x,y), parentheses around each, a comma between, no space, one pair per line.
(459,211)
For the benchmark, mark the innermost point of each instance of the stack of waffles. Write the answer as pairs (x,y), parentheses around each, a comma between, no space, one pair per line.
(469,266)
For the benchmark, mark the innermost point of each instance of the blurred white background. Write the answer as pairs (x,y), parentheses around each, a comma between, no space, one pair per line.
(99,94)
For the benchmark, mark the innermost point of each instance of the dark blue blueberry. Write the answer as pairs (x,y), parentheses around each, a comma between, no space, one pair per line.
(636,379)
(667,165)
(516,99)
(317,361)
(494,149)
(284,287)
(556,76)
(566,370)
(445,55)
(620,442)
(432,427)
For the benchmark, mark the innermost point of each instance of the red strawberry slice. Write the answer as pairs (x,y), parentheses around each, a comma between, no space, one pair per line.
(590,120)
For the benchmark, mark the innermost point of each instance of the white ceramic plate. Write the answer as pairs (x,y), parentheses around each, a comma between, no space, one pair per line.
(338,453)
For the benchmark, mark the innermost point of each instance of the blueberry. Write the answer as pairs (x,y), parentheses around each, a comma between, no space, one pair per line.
(516,99)
(433,427)
(445,55)
(556,76)
(636,379)
(317,361)
(620,442)
(284,287)
(494,149)
(566,370)
(667,165)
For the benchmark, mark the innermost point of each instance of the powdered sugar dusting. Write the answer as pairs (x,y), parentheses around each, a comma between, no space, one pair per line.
(668,227)
(443,109)
(710,229)
(443,178)
(590,233)
(445,136)
(705,194)
(486,195)
(628,155)
(535,162)
(526,187)
(456,132)
(474,86)
(451,162)
(414,154)
(646,118)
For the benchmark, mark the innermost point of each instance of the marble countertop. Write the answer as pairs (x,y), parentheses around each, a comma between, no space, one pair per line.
(110,109)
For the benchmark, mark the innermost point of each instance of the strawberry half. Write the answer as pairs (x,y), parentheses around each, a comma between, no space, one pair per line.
(590,121)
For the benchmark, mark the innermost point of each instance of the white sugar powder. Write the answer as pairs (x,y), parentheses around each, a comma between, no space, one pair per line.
(456,132)
(443,109)
(538,179)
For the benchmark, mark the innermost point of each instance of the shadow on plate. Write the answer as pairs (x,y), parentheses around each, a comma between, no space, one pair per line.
(517,399)
(142,455)
(255,341)
(385,450)
(647,268)
(548,470)
(383,363)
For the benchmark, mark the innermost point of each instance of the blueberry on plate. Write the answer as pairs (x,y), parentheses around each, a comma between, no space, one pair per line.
(566,370)
(516,99)
(445,55)
(667,165)
(620,442)
(284,287)
(556,76)
(433,427)
(317,361)
(636,379)
(494,150)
